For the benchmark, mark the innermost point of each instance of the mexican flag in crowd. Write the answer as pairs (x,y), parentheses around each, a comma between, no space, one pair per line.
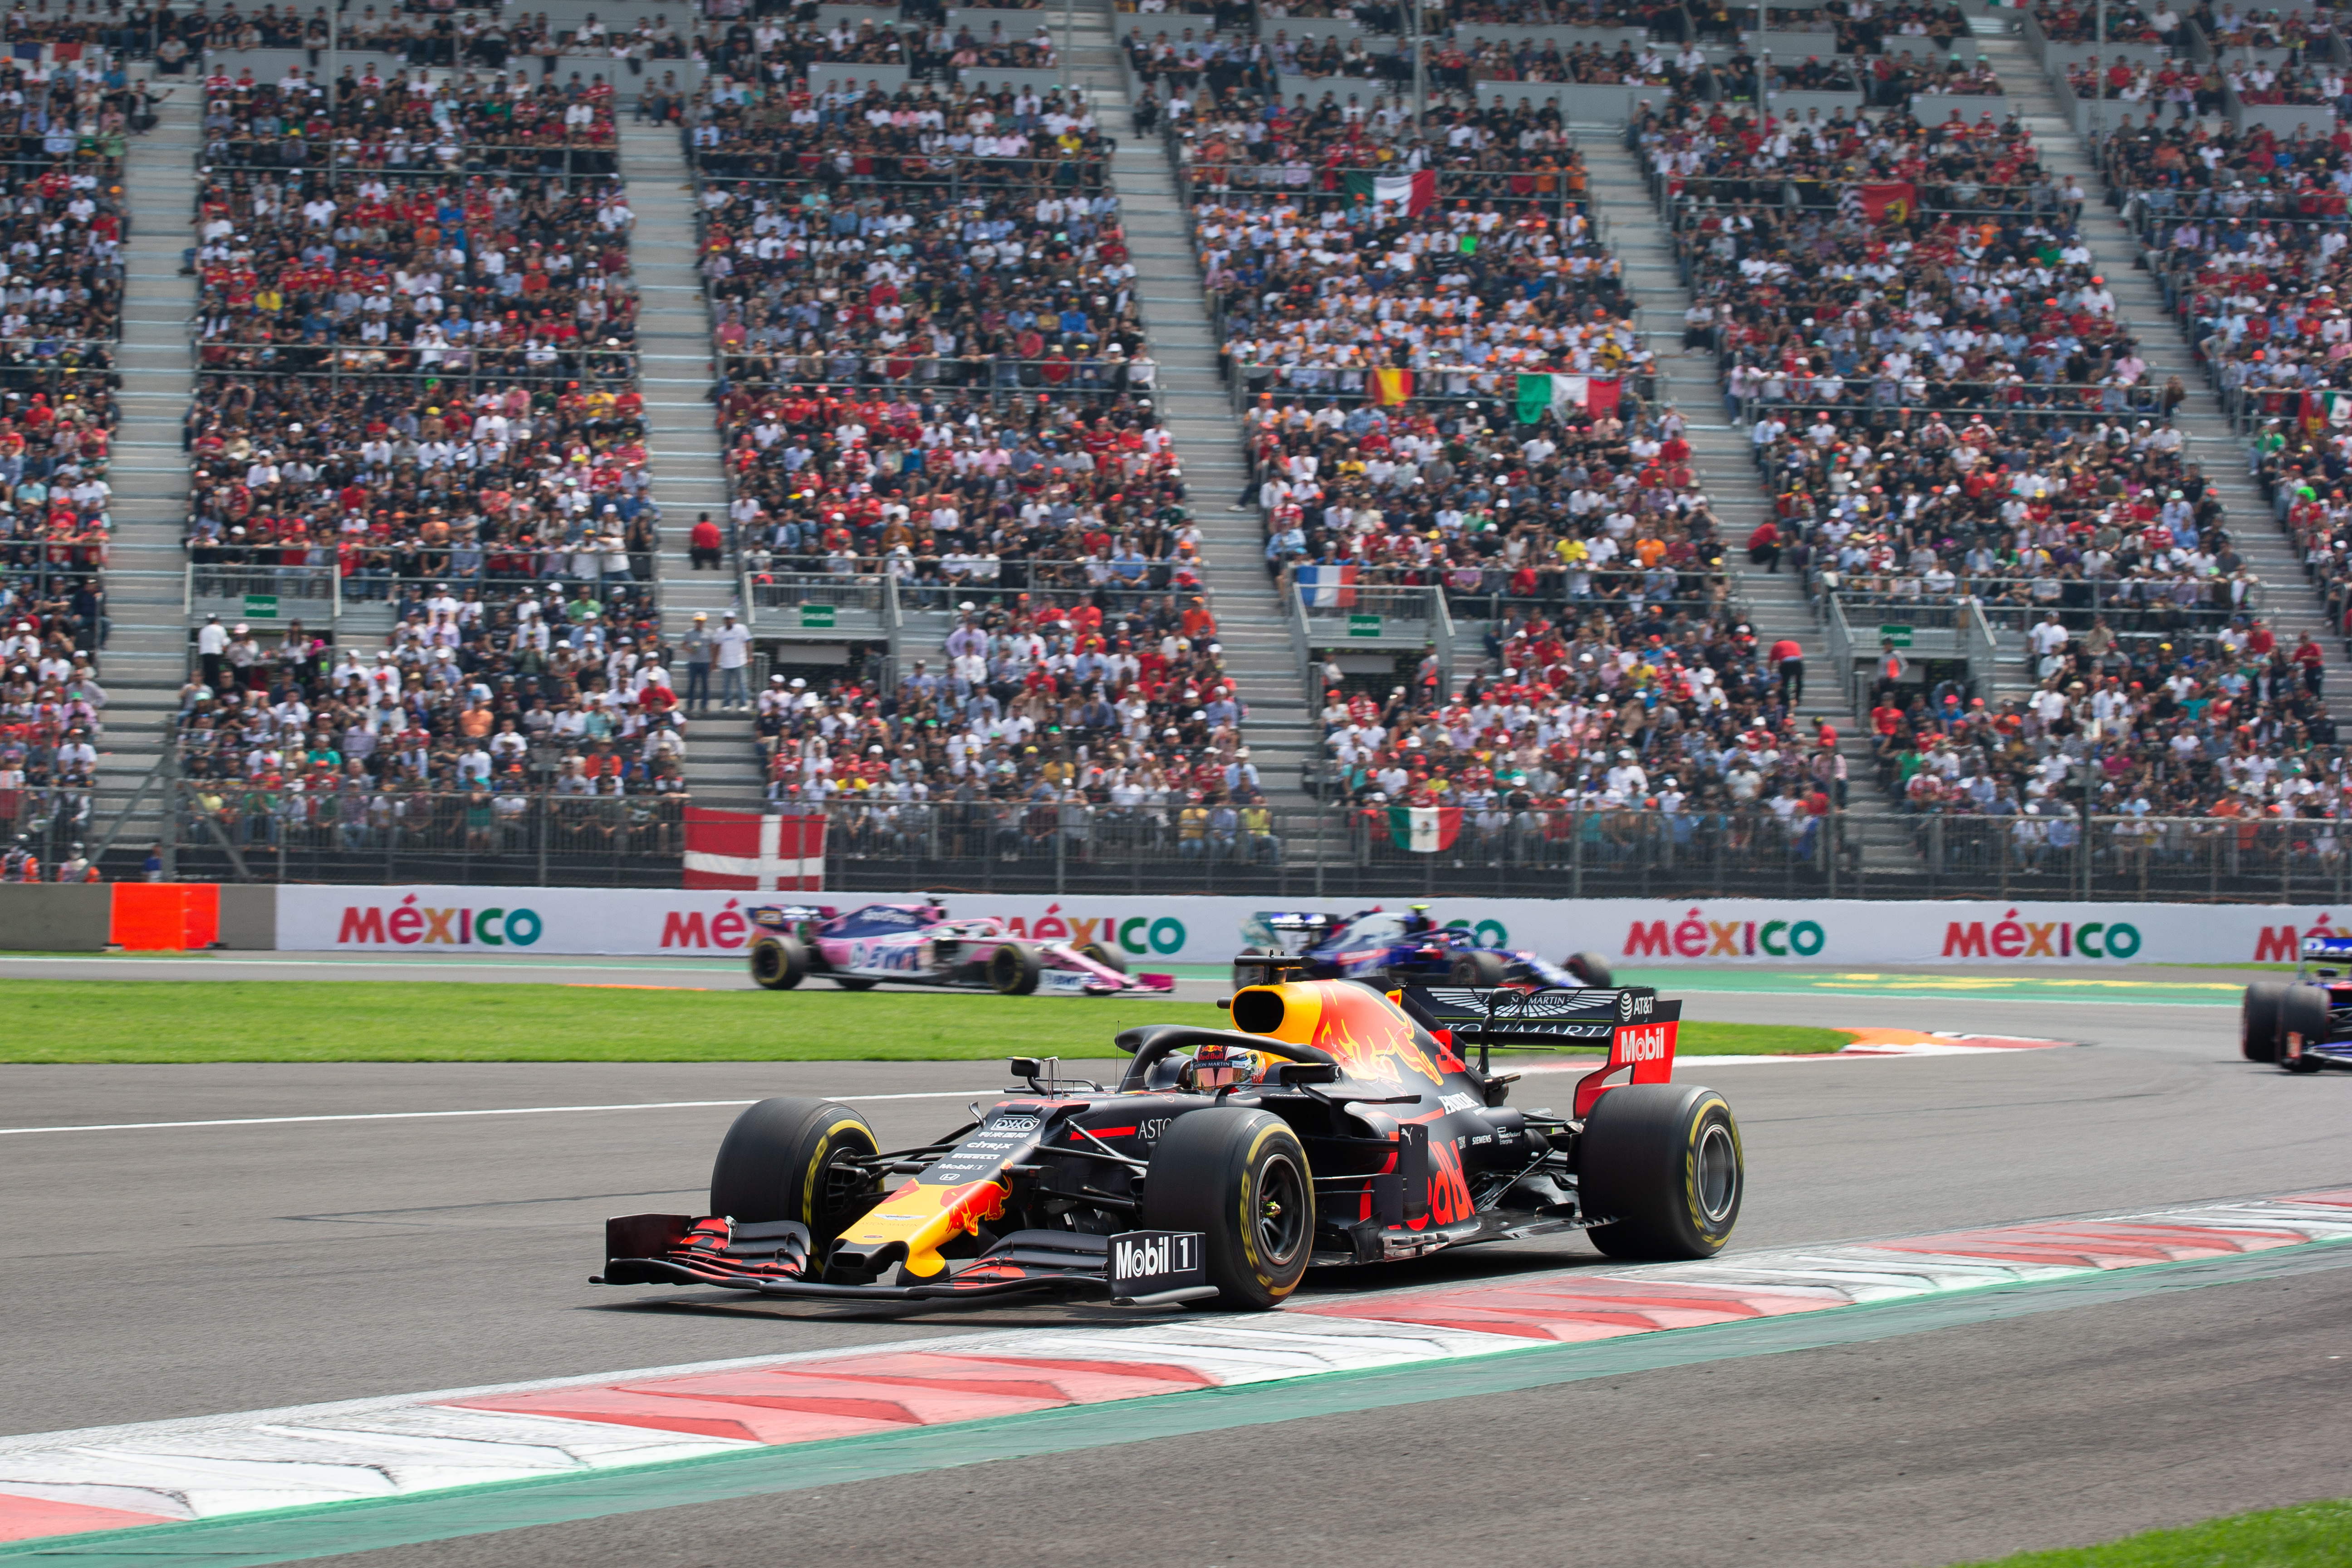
(1417,193)
(1540,394)
(2325,407)
(1424,829)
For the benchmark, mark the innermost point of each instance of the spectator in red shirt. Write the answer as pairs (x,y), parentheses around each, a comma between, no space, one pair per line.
(1789,654)
(703,545)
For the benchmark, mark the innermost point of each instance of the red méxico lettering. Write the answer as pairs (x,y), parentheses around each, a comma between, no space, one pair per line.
(367,925)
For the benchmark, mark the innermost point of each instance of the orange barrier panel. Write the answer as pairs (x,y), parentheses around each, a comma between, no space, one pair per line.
(163,917)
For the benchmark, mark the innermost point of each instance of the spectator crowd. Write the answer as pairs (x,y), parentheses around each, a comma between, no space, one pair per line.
(933,368)
(1992,449)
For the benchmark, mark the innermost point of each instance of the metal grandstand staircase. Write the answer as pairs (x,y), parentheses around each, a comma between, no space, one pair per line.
(1723,455)
(146,657)
(675,373)
(1198,410)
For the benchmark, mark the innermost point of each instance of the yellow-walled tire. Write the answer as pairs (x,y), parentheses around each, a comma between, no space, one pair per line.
(1662,1163)
(794,1158)
(1240,1179)
(778,963)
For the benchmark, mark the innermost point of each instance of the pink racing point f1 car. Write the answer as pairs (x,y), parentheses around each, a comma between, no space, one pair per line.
(920,944)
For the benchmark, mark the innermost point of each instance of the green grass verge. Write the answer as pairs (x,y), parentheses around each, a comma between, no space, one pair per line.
(1700,1039)
(83,1021)
(2312,1535)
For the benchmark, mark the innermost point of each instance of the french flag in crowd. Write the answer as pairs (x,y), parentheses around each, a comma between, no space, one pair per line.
(1328,586)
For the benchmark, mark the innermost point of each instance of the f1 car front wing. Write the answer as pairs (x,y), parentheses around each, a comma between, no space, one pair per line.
(772,1259)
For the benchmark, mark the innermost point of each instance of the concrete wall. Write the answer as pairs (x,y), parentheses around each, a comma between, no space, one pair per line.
(1787,46)
(1301,29)
(1796,105)
(71,917)
(1935,108)
(2284,119)
(1580,104)
(1364,88)
(850,74)
(248,916)
(1609,38)
(826,16)
(995,78)
(1151,24)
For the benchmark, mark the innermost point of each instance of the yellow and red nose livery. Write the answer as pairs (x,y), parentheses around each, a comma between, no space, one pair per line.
(924,1217)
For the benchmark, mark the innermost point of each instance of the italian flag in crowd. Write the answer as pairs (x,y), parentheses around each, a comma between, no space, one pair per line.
(1424,829)
(1540,395)
(1417,191)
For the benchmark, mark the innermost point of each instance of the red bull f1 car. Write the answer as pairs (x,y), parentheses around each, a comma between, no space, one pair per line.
(2306,1024)
(920,944)
(1405,948)
(1333,1124)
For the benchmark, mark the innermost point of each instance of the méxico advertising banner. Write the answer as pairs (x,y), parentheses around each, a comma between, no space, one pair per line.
(1631,933)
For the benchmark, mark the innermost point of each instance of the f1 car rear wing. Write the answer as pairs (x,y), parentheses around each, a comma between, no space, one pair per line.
(777,917)
(2332,948)
(1638,1024)
(1289,932)
(1526,1017)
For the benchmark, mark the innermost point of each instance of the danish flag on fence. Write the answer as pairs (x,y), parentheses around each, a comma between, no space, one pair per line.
(754,850)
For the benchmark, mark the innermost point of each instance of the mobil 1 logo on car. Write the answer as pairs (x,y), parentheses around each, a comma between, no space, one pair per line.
(1148,1262)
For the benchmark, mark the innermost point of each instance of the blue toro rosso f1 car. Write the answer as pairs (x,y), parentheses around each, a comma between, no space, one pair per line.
(1405,948)
(2304,1024)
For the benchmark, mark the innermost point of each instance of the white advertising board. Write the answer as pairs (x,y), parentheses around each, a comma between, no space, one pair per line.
(1629,933)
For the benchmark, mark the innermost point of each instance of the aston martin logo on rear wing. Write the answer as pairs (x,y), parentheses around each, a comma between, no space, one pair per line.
(1521,1015)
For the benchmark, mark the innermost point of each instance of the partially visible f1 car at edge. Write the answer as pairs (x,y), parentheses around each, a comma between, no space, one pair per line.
(2304,1024)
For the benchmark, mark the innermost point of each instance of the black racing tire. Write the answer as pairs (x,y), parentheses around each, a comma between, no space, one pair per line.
(1239,1177)
(785,1158)
(2258,1021)
(2302,1011)
(855,983)
(1662,1161)
(1013,969)
(1591,969)
(778,963)
(1481,969)
(1109,957)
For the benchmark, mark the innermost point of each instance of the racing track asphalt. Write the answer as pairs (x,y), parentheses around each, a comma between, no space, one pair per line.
(184,1271)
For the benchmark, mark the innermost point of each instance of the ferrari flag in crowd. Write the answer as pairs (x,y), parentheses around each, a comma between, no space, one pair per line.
(1415,193)
(754,850)
(1391,387)
(1424,829)
(1891,201)
(1540,394)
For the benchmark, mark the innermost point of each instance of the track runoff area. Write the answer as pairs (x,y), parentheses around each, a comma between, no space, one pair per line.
(2034,1263)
